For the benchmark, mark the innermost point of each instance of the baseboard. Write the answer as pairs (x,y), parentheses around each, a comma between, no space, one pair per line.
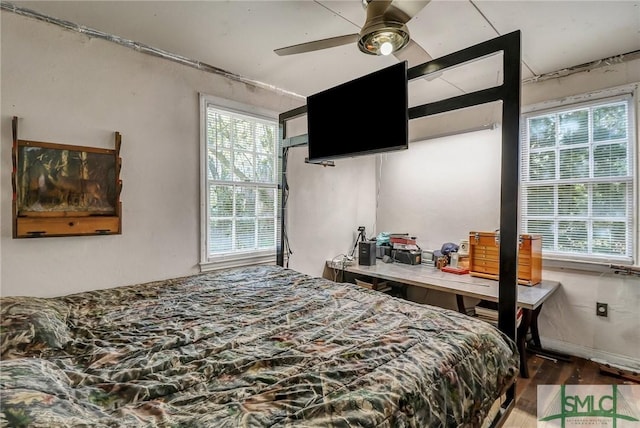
(587,353)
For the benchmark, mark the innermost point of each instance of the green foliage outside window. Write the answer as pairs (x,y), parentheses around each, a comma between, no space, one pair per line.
(578,186)
(241,173)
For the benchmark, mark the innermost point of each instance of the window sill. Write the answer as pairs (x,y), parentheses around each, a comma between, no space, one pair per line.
(238,260)
(584,266)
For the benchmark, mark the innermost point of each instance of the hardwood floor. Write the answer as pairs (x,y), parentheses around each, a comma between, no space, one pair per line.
(543,371)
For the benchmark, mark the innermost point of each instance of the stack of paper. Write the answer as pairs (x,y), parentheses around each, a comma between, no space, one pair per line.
(488,311)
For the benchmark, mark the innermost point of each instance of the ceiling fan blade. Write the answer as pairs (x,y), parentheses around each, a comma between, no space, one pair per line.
(413,54)
(317,45)
(403,10)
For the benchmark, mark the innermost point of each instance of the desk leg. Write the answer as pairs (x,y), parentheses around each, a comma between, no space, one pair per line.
(536,345)
(521,338)
(535,334)
(460,302)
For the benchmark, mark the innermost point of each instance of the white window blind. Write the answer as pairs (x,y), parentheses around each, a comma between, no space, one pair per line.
(577,180)
(241,189)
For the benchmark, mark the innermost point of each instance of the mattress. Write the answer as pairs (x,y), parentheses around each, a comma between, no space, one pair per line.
(257,346)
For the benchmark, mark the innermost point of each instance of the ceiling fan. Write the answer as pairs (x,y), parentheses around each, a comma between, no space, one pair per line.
(384,32)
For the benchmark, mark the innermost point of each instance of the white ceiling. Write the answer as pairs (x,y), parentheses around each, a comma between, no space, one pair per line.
(240,36)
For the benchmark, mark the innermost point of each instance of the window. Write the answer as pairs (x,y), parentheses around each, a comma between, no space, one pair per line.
(577,180)
(239,184)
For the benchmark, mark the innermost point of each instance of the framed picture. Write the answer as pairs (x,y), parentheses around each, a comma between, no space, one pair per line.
(55,178)
(64,190)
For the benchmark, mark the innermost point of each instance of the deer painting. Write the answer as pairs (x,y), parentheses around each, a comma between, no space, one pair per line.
(65,180)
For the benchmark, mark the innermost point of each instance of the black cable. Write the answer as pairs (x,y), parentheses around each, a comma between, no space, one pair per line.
(285,197)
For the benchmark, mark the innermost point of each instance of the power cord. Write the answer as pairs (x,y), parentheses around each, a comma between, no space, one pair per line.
(339,263)
(286,249)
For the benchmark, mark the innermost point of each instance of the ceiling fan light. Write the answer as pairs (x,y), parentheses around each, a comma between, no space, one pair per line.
(383,41)
(386,48)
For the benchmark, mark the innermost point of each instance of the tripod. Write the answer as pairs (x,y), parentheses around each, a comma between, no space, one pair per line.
(362,237)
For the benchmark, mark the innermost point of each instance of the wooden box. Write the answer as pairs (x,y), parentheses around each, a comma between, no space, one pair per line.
(484,257)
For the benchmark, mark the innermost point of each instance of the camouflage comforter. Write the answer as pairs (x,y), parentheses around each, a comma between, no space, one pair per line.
(259,346)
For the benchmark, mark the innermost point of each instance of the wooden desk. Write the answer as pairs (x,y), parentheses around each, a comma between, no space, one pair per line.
(530,299)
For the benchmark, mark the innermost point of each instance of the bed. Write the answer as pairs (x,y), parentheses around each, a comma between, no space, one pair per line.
(260,346)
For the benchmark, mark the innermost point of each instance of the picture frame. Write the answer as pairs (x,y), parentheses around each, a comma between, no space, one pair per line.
(64,190)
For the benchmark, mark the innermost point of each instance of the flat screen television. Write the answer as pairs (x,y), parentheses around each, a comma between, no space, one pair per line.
(362,116)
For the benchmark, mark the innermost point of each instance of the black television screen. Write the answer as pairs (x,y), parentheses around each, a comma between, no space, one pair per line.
(365,115)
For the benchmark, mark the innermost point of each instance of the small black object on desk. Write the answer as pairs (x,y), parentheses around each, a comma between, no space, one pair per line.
(367,253)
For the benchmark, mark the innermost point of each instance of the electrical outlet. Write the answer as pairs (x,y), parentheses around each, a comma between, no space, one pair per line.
(602,309)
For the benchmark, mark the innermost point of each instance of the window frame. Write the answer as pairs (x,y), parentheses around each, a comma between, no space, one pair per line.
(234,258)
(627,93)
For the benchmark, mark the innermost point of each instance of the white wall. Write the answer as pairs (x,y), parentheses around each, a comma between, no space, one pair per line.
(68,88)
(441,189)
(326,206)
(568,321)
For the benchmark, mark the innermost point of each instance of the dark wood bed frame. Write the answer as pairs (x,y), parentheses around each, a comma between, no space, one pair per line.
(509,94)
